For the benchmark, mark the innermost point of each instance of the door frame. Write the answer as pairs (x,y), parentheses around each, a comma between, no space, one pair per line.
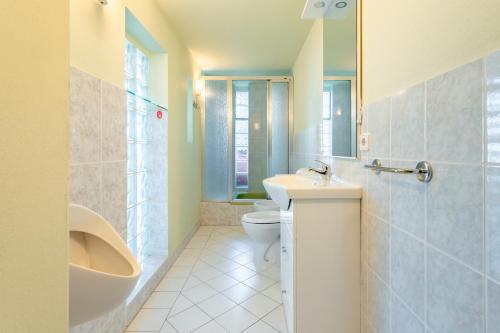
(270,80)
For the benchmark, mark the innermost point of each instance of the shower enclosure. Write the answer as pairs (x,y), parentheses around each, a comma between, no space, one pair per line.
(246,129)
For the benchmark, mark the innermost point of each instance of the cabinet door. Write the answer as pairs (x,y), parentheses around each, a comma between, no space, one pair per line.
(290,291)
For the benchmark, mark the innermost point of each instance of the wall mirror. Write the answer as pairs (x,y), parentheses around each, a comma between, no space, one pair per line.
(341,80)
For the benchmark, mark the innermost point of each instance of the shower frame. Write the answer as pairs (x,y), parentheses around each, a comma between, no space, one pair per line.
(229,79)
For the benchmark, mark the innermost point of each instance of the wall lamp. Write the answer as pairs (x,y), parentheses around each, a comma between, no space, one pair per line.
(198,94)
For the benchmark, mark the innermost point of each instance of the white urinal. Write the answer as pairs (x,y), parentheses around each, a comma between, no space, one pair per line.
(102,270)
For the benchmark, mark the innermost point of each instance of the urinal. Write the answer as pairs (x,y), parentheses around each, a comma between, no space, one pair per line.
(102,270)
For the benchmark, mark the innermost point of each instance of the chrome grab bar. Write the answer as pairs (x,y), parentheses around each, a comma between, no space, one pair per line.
(423,170)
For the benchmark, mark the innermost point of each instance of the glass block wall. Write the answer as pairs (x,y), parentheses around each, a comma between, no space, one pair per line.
(146,165)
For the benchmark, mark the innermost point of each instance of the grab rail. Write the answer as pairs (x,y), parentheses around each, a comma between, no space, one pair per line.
(423,170)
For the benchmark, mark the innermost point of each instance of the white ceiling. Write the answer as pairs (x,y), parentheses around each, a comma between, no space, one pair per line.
(228,36)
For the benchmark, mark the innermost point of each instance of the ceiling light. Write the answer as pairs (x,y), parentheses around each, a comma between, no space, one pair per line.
(341,4)
(319,4)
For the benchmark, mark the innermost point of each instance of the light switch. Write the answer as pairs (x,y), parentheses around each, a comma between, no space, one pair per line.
(364,144)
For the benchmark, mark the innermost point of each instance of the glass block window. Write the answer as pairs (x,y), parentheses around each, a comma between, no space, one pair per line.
(136,70)
(326,124)
(241,139)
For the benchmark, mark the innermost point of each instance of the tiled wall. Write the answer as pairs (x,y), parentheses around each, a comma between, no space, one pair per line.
(98,180)
(431,252)
(98,148)
(223,213)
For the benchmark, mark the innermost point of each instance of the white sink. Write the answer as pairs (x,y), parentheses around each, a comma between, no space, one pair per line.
(283,188)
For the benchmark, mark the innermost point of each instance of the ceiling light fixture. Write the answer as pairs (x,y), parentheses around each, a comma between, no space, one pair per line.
(341,4)
(319,4)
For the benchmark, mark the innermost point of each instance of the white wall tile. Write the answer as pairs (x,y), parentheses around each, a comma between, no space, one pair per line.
(455,296)
(454,115)
(455,212)
(407,124)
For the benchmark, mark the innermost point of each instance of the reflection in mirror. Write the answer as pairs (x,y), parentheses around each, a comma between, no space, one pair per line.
(339,126)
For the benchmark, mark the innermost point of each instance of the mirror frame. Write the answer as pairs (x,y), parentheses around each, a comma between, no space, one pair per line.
(359,76)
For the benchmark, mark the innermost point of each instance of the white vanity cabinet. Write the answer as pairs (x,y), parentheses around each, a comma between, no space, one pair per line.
(320,265)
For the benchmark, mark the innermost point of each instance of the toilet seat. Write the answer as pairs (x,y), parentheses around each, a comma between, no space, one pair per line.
(266,217)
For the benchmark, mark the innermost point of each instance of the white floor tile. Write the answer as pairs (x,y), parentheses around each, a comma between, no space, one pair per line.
(189,293)
(206,274)
(211,327)
(222,283)
(211,258)
(167,328)
(263,267)
(259,305)
(241,246)
(274,292)
(277,319)
(273,272)
(196,244)
(243,259)
(227,265)
(241,274)
(171,284)
(200,265)
(179,271)
(239,293)
(181,304)
(199,293)
(148,320)
(191,282)
(229,252)
(236,320)
(259,282)
(260,327)
(161,300)
(189,320)
(186,261)
(216,305)
(191,253)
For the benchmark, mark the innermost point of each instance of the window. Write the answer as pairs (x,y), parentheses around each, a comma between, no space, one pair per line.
(136,70)
(326,124)
(241,139)
(138,108)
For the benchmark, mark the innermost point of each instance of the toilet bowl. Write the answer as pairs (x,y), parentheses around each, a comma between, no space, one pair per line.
(265,205)
(263,228)
(102,270)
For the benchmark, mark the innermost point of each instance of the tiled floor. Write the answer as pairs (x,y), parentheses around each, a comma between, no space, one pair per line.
(215,287)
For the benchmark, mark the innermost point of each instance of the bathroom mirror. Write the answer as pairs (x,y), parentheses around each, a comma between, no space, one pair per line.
(341,80)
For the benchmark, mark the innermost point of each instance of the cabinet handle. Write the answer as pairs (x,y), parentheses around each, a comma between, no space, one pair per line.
(283,291)
(283,249)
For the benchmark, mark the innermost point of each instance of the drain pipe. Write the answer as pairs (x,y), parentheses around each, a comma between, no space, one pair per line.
(266,259)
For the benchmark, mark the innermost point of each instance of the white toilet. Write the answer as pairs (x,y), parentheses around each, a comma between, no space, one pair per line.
(265,205)
(102,270)
(263,228)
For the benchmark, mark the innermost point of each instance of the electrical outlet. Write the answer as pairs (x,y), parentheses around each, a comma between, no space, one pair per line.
(364,142)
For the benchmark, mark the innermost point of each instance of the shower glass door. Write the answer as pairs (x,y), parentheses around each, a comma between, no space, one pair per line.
(246,136)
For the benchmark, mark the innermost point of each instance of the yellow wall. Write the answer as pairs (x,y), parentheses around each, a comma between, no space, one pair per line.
(97,39)
(408,41)
(97,42)
(34,166)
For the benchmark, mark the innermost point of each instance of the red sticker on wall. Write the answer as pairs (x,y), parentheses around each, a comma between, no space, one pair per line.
(159,114)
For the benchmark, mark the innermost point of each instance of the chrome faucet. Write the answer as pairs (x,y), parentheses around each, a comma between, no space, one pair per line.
(325,169)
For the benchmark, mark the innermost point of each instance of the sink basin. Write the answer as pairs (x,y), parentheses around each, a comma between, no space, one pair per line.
(283,188)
